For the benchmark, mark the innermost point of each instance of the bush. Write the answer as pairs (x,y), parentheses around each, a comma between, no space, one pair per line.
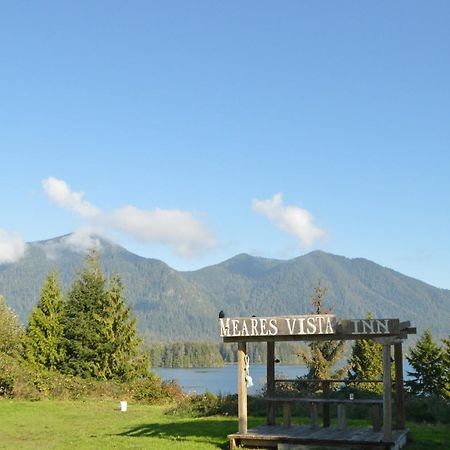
(427,409)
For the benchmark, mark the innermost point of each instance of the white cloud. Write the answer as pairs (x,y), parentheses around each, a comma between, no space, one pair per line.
(178,229)
(290,219)
(81,240)
(59,192)
(12,247)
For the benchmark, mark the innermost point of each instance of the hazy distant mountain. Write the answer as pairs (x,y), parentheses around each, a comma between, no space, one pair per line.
(172,305)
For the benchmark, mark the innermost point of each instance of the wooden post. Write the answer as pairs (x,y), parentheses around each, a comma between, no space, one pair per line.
(242,388)
(326,406)
(270,381)
(387,387)
(399,389)
(287,414)
(341,411)
(314,416)
(376,418)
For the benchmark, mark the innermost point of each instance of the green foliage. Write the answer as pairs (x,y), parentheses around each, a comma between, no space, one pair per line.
(99,333)
(44,337)
(185,354)
(446,364)
(430,370)
(432,409)
(11,332)
(366,363)
(322,355)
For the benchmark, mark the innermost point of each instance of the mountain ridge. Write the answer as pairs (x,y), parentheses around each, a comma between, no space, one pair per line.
(183,305)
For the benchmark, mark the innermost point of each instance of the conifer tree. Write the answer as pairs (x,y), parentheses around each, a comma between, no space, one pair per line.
(366,362)
(427,360)
(44,338)
(446,352)
(11,331)
(123,361)
(83,322)
(322,356)
(100,334)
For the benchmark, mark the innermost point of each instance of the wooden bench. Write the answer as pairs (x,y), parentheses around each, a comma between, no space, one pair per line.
(287,403)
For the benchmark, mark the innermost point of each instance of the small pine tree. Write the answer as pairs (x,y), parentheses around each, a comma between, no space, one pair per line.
(123,361)
(366,363)
(44,338)
(322,356)
(427,360)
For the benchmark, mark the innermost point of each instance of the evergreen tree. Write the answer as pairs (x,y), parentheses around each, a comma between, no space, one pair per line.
(122,359)
(446,351)
(11,332)
(321,356)
(366,363)
(100,336)
(427,360)
(83,322)
(44,344)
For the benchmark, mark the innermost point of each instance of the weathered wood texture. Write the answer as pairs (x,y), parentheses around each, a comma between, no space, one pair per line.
(399,389)
(361,438)
(318,326)
(270,381)
(242,388)
(387,388)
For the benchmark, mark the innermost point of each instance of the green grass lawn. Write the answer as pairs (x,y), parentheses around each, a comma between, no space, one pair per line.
(100,425)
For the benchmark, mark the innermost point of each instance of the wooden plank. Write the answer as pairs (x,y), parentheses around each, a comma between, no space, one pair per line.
(270,381)
(399,389)
(361,401)
(322,326)
(387,387)
(242,388)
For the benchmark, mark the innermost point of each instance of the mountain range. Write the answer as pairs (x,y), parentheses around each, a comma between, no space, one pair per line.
(179,306)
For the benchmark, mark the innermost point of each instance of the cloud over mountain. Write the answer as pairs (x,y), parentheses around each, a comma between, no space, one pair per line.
(289,218)
(180,230)
(12,247)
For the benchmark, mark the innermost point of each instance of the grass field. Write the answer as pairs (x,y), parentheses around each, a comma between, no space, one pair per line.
(100,425)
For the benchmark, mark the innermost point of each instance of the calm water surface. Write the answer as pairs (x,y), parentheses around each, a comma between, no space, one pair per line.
(224,379)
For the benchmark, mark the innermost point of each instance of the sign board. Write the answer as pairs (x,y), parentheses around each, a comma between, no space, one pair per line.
(303,327)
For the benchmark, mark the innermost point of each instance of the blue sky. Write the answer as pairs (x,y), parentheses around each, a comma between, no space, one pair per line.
(193,131)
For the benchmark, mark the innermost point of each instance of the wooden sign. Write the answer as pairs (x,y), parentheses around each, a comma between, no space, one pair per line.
(304,327)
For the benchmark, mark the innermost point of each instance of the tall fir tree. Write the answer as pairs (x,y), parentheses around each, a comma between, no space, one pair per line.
(322,356)
(100,334)
(366,363)
(44,338)
(83,321)
(428,363)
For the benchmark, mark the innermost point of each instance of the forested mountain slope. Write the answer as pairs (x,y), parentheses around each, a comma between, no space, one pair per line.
(176,306)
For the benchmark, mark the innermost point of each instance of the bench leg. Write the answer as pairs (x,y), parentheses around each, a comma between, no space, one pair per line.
(287,413)
(376,418)
(314,416)
(341,411)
